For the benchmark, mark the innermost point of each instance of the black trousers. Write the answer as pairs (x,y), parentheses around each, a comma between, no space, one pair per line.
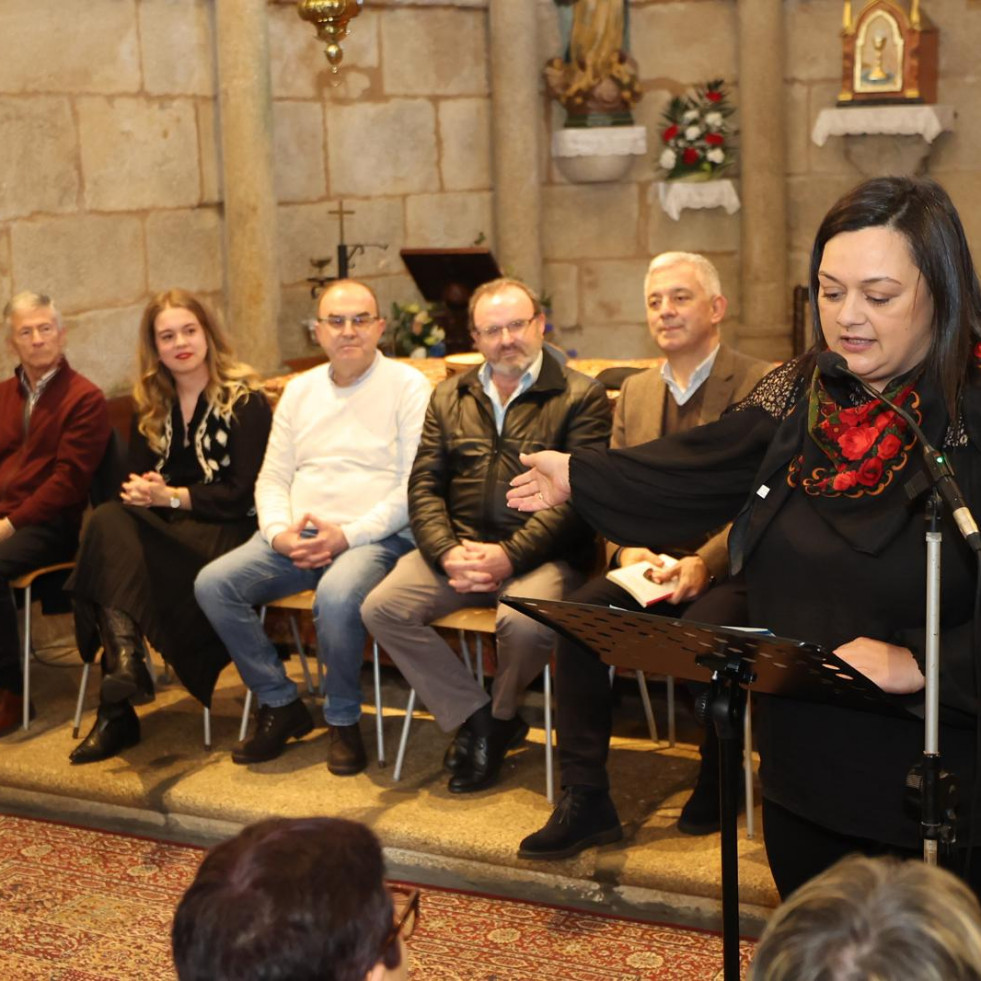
(26,549)
(582,680)
(798,849)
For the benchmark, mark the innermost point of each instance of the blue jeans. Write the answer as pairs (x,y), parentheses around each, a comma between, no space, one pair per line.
(230,588)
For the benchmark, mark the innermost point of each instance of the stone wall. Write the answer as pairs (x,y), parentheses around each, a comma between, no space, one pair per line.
(401,135)
(112,189)
(108,180)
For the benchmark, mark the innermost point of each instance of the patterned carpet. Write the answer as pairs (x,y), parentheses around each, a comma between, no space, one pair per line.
(82,905)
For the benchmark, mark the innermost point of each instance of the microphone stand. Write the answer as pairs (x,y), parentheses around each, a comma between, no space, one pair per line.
(927,781)
(932,788)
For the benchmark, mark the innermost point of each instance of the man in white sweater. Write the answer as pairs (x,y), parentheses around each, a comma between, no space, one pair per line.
(332,511)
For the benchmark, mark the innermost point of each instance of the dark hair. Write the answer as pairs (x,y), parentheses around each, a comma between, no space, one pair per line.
(874,918)
(300,899)
(922,212)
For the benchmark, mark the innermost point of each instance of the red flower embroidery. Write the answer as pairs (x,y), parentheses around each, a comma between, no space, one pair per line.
(714,139)
(884,420)
(870,471)
(857,441)
(891,444)
(690,155)
(854,417)
(670,133)
(844,481)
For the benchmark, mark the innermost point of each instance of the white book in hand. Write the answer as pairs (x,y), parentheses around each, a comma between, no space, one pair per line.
(637,580)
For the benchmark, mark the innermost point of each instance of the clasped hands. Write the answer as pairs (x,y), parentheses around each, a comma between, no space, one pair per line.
(147,490)
(311,551)
(476,567)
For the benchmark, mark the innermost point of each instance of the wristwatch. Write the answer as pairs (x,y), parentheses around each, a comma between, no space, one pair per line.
(175,501)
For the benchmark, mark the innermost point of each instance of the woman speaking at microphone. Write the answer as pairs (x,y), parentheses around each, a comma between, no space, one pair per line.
(831,544)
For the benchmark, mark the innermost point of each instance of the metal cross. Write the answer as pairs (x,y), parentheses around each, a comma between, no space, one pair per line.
(340,212)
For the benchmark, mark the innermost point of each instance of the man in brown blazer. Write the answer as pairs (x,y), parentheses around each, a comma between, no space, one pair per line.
(699,379)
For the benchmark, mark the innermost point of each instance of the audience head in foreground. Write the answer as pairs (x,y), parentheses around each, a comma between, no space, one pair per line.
(874,919)
(290,899)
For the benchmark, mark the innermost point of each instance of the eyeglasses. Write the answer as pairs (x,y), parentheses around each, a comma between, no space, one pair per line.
(406,903)
(513,327)
(44,331)
(360,321)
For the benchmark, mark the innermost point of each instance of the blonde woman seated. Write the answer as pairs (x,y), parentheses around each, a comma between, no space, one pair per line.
(874,919)
(196,444)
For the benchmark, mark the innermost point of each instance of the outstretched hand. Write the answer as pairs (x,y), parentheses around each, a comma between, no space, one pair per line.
(544,485)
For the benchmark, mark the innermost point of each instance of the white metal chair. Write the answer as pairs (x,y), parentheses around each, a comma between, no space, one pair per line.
(25,582)
(480,620)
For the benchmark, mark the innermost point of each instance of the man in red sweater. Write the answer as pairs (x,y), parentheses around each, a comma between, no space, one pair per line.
(54,428)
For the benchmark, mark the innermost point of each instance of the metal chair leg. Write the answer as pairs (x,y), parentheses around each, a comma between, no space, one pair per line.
(207,727)
(465,651)
(77,723)
(403,741)
(645,697)
(748,768)
(294,624)
(379,729)
(27,656)
(246,709)
(549,765)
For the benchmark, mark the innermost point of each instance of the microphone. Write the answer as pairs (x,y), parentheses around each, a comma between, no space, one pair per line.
(833,365)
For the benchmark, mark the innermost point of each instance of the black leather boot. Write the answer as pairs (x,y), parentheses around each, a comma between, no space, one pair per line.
(117,727)
(585,816)
(123,658)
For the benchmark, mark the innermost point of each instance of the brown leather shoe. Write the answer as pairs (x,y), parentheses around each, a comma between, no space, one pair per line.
(345,750)
(11,711)
(275,727)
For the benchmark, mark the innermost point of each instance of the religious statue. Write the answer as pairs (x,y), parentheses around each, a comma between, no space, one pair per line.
(596,81)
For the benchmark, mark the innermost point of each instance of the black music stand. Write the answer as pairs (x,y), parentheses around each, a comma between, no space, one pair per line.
(732,661)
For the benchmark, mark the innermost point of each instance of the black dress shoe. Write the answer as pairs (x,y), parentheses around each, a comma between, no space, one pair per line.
(345,750)
(117,727)
(274,728)
(458,752)
(582,818)
(482,767)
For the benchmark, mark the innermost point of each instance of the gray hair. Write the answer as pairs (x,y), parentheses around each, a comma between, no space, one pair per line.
(705,272)
(29,300)
(874,919)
